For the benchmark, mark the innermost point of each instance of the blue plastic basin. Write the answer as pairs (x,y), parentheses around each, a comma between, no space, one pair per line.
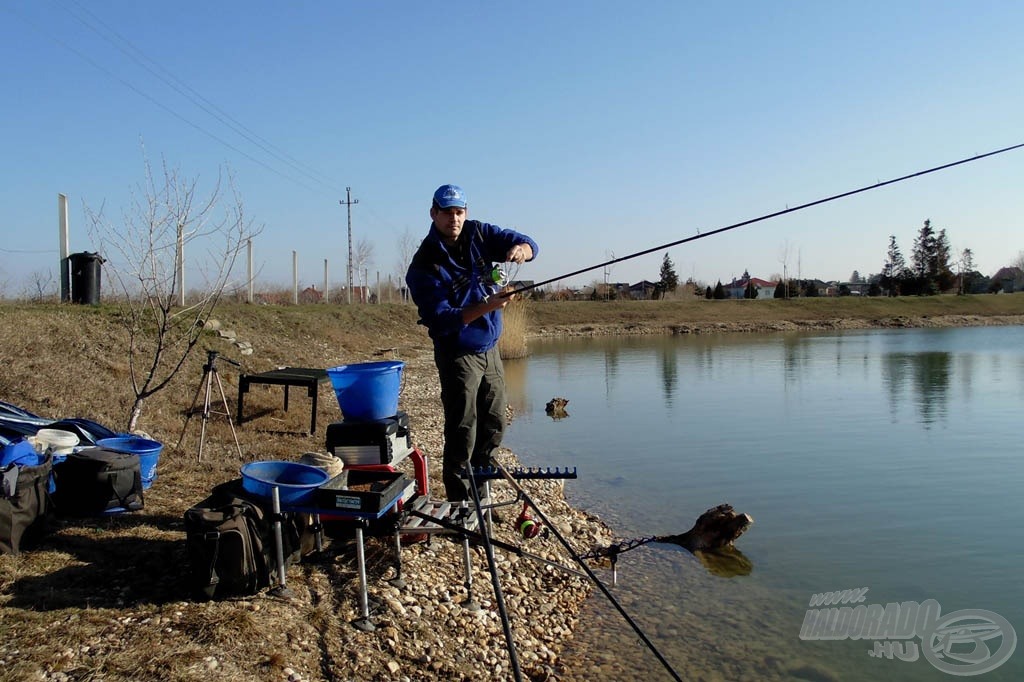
(295,482)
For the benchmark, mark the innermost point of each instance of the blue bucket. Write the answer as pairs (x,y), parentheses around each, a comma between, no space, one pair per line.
(367,391)
(147,450)
(295,482)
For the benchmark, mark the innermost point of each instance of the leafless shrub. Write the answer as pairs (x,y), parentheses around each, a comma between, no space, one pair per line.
(167,219)
(41,288)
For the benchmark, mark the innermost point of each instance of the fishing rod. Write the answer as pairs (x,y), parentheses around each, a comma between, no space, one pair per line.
(776,214)
(590,573)
(492,567)
(507,546)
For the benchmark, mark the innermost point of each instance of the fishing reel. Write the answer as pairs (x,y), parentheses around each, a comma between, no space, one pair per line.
(527,526)
(502,274)
(498,276)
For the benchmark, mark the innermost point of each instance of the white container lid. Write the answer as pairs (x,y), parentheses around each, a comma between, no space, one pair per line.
(57,438)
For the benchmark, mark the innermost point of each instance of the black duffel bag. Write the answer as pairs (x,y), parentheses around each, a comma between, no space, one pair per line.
(93,481)
(24,504)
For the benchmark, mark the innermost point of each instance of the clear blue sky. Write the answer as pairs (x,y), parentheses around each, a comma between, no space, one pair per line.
(596,127)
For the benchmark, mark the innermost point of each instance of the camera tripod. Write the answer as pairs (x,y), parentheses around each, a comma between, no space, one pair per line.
(209,374)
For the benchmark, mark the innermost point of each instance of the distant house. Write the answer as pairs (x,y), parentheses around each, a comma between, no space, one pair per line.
(854,288)
(1010,279)
(820,286)
(642,290)
(522,284)
(738,287)
(310,295)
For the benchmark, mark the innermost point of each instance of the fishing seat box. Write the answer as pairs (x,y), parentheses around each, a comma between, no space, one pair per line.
(361,490)
(360,443)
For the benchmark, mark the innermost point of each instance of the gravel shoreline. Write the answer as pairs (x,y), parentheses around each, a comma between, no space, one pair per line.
(425,631)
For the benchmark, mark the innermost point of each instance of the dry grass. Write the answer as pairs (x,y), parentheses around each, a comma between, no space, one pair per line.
(515,324)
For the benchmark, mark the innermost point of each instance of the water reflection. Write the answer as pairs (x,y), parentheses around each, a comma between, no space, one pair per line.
(927,375)
(611,369)
(669,370)
(727,562)
(916,377)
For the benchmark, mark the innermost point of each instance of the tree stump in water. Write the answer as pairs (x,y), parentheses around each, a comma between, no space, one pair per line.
(556,408)
(716,528)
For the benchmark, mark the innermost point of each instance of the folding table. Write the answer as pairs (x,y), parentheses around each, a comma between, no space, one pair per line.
(286,376)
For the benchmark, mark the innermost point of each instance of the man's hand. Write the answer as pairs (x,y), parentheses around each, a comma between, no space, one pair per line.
(493,302)
(520,253)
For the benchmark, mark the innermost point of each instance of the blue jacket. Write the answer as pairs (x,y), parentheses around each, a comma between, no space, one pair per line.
(445,280)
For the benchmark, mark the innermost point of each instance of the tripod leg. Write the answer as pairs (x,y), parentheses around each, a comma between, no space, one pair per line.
(227,413)
(191,410)
(206,412)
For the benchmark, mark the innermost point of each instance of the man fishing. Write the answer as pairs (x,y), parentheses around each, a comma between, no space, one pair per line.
(451,280)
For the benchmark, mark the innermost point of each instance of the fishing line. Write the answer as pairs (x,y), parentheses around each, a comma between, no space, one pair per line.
(702,235)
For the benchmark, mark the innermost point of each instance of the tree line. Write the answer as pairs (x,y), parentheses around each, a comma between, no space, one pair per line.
(933,268)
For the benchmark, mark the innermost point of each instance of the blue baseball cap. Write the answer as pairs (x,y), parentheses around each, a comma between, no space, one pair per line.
(447,196)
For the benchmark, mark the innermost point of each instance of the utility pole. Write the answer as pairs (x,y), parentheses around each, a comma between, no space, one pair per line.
(348,202)
(62,236)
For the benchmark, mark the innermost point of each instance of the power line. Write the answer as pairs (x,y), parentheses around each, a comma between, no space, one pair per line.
(84,57)
(134,53)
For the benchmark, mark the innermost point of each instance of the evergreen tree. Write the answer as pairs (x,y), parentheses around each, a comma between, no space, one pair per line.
(708,294)
(943,269)
(924,259)
(719,291)
(894,268)
(669,278)
(780,290)
(749,291)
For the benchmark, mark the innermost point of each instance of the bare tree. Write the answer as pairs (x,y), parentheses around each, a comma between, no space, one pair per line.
(42,287)
(362,259)
(784,259)
(407,245)
(165,215)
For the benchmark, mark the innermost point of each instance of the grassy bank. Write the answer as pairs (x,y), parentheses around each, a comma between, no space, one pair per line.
(740,312)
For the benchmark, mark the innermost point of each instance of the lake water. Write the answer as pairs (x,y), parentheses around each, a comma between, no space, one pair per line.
(890,460)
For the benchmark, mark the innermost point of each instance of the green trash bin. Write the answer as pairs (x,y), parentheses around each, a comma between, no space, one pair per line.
(85,277)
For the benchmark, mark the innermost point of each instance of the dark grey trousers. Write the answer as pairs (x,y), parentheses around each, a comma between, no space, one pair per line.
(473,396)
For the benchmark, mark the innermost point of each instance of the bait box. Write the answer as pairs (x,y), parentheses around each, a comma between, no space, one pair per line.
(364,491)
